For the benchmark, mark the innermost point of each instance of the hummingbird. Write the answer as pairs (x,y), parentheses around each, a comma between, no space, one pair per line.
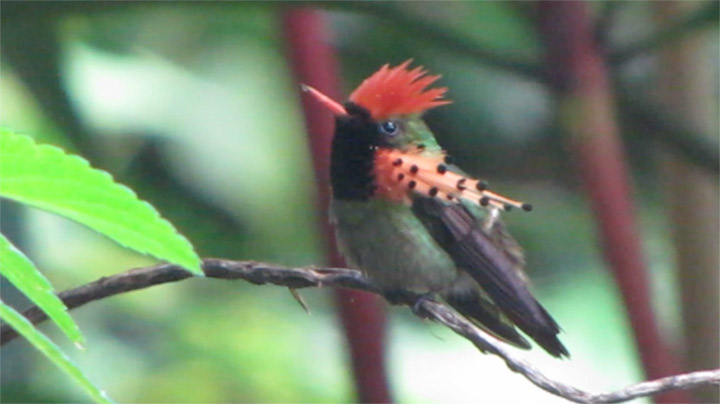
(413,221)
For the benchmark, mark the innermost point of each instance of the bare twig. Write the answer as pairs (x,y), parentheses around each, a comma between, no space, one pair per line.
(700,18)
(605,21)
(660,125)
(441,36)
(260,274)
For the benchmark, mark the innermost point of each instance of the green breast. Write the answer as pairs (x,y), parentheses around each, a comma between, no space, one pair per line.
(391,245)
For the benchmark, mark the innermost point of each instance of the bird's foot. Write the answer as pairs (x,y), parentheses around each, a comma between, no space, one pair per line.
(399,296)
(413,299)
(417,307)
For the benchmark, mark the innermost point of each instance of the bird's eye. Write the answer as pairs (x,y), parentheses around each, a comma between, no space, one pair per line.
(389,128)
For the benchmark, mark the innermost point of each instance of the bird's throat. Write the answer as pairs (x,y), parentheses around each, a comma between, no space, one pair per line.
(353,157)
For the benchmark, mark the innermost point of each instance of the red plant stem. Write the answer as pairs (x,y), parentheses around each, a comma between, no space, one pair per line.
(361,314)
(577,67)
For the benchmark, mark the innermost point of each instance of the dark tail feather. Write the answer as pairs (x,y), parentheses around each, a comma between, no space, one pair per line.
(487,316)
(543,330)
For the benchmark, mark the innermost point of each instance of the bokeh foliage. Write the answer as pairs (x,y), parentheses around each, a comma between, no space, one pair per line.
(193,106)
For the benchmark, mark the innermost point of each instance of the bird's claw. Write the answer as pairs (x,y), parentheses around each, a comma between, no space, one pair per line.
(417,307)
(399,296)
(413,299)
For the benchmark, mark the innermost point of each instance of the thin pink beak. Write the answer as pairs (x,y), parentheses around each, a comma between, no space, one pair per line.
(328,102)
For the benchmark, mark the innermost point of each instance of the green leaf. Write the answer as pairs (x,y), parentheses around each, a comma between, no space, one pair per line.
(46,177)
(21,272)
(51,351)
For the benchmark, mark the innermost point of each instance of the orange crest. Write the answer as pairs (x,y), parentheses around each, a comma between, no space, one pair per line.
(393,91)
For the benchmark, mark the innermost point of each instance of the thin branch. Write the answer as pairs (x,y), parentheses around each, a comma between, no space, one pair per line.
(605,21)
(700,18)
(260,274)
(443,37)
(655,123)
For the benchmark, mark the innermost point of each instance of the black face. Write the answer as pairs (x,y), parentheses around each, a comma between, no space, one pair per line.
(357,136)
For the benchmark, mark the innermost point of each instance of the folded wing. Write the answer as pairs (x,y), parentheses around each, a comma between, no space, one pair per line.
(487,256)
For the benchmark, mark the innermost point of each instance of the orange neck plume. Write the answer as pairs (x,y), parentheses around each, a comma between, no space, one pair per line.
(400,174)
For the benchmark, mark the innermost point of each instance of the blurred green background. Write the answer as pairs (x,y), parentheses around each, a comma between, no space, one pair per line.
(194,107)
